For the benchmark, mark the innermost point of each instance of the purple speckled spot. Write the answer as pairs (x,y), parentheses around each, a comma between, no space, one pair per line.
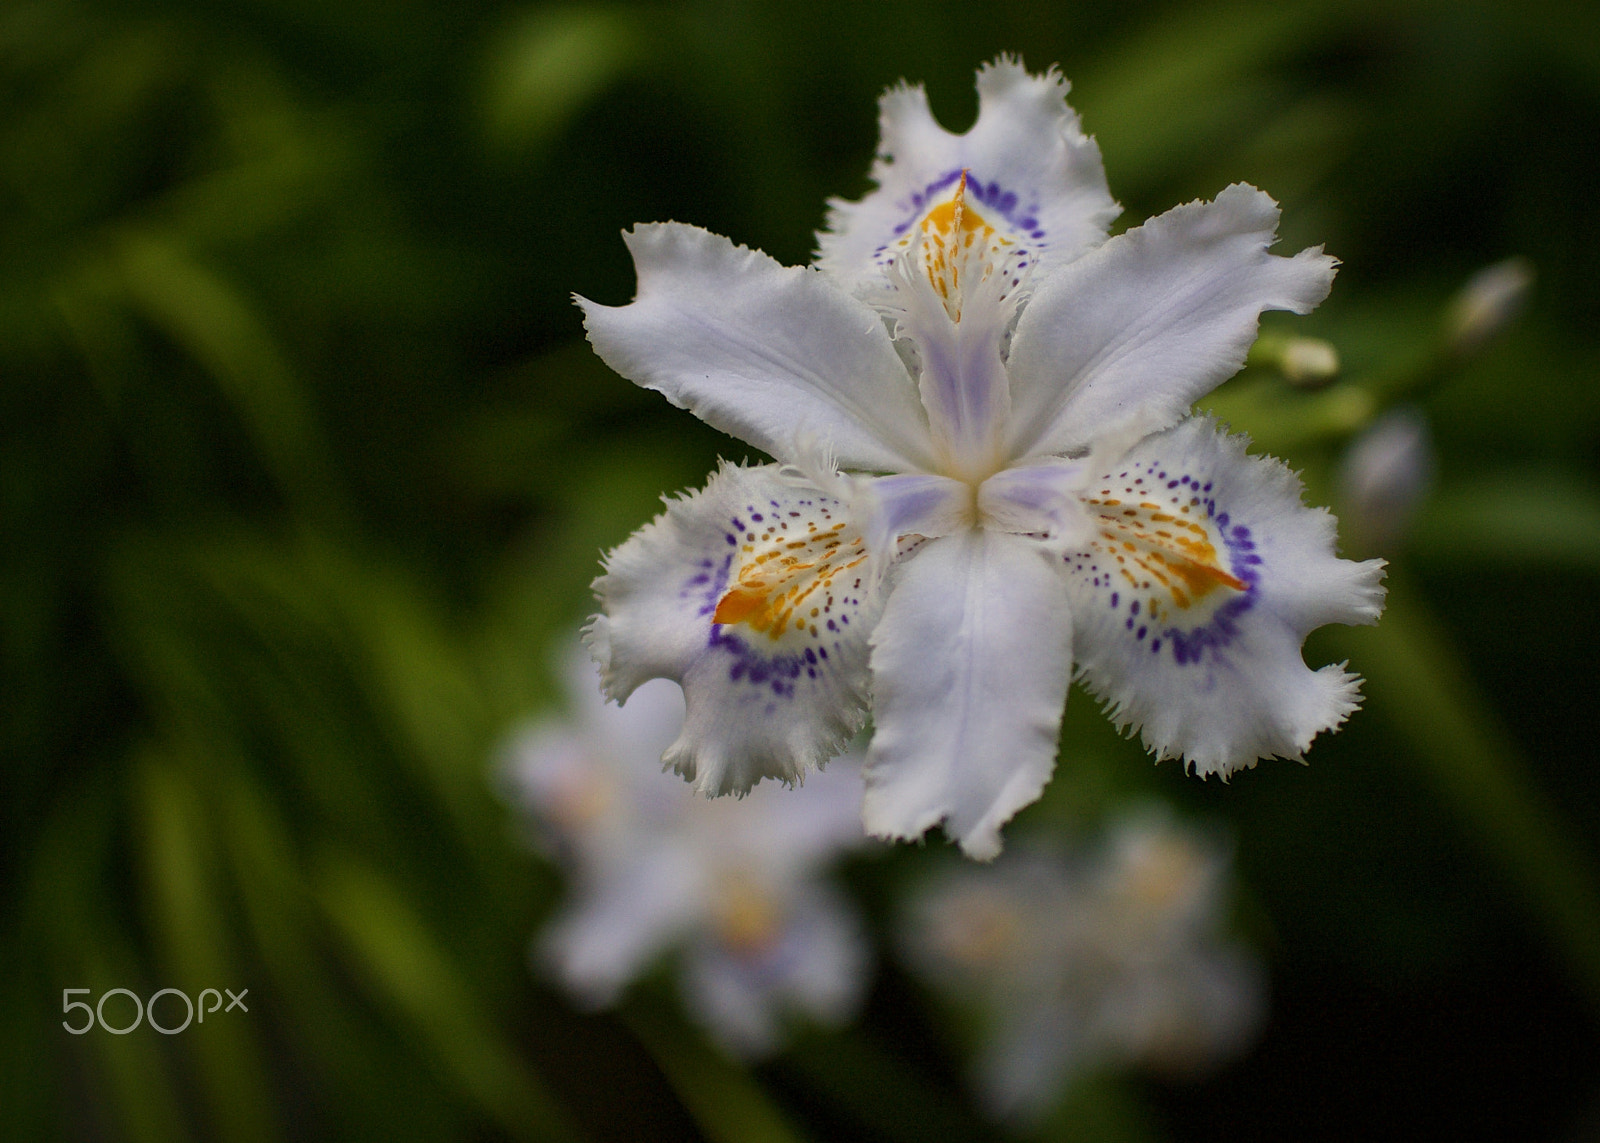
(774,673)
(1223,628)
(992,195)
(710,587)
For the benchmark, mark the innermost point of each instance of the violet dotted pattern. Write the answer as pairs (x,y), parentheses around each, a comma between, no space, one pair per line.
(1178,569)
(787,589)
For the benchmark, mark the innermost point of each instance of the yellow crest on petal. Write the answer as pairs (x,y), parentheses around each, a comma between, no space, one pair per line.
(959,249)
(796,575)
(1165,553)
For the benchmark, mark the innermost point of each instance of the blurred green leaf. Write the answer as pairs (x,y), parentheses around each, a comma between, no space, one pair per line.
(211,320)
(1282,420)
(1417,681)
(725,1100)
(547,64)
(189,918)
(411,974)
(1550,518)
(881,1091)
(1190,77)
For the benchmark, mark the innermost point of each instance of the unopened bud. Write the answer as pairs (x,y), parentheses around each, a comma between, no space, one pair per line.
(1487,304)
(1384,475)
(1305,362)
(1310,361)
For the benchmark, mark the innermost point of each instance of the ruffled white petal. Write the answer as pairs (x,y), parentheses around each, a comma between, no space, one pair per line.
(1132,334)
(754,595)
(815,967)
(625,915)
(970,666)
(1192,602)
(1031,171)
(761,351)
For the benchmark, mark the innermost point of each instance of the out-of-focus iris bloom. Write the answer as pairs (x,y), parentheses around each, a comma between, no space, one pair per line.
(978,402)
(1106,959)
(735,885)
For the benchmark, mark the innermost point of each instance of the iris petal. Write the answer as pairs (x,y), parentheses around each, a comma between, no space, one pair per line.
(765,352)
(1192,600)
(1130,335)
(1030,169)
(754,595)
(970,665)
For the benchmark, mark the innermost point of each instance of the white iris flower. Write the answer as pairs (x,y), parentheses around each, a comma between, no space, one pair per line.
(736,888)
(978,404)
(1110,957)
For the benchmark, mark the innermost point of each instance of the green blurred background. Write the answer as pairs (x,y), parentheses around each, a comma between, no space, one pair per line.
(305,466)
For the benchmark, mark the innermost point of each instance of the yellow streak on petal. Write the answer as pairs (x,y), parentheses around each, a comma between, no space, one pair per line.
(783,584)
(738,605)
(959,248)
(1173,552)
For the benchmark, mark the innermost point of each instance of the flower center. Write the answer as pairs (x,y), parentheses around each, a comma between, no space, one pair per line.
(746,918)
(1160,874)
(581,797)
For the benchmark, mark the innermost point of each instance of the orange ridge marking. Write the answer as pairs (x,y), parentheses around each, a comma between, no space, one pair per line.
(1191,562)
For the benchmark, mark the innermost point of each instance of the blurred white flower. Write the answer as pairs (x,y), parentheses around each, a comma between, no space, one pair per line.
(733,884)
(1109,958)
